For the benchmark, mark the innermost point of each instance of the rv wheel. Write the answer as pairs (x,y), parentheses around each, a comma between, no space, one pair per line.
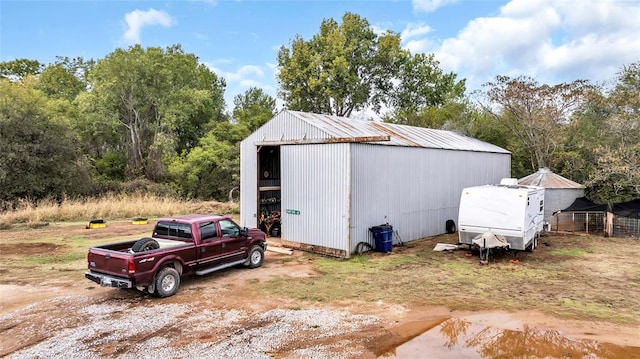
(450,226)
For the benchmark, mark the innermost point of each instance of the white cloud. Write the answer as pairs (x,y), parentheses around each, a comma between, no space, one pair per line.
(430,5)
(413,30)
(552,40)
(413,39)
(138,19)
(243,73)
(244,77)
(378,30)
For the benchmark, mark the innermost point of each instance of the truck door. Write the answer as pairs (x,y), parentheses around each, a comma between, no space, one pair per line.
(210,250)
(234,245)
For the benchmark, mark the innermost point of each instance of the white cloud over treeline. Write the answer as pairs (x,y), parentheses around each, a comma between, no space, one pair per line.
(138,19)
(552,40)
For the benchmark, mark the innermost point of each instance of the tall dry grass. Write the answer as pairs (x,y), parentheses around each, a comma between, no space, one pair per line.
(109,207)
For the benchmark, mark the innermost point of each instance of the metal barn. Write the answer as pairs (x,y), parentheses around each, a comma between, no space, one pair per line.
(326,180)
(559,192)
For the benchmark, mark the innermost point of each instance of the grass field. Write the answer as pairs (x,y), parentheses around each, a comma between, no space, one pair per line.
(571,277)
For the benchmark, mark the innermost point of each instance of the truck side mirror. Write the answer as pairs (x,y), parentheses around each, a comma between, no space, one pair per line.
(244,231)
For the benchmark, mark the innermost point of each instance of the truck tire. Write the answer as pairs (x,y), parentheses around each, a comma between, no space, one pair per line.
(256,257)
(167,282)
(145,244)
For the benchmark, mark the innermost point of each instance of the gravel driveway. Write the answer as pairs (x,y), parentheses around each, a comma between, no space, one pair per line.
(143,328)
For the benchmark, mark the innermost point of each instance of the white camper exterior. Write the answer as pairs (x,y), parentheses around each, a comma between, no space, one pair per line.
(508,209)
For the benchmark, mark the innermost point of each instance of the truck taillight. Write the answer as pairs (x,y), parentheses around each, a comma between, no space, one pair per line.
(131,267)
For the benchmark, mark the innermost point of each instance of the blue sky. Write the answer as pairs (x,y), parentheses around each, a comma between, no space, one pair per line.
(551,40)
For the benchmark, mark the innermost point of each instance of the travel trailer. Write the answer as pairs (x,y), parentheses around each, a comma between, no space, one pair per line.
(512,211)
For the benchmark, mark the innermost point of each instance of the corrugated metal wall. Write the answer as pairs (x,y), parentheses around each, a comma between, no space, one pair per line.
(248,183)
(556,199)
(315,182)
(283,127)
(414,189)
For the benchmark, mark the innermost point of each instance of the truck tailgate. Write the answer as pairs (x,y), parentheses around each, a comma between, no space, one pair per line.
(109,262)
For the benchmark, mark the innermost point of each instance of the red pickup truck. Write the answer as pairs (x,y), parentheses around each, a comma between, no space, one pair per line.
(181,245)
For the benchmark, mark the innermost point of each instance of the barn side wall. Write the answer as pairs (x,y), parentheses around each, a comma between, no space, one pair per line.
(315,196)
(283,127)
(416,190)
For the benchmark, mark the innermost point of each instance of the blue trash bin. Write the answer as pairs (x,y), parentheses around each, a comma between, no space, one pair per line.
(383,238)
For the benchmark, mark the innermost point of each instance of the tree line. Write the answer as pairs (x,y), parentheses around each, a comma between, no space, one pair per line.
(155,119)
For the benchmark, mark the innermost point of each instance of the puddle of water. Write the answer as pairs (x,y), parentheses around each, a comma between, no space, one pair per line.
(503,337)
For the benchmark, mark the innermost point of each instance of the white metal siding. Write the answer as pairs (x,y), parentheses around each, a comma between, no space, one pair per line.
(556,199)
(415,189)
(283,127)
(248,184)
(343,189)
(315,182)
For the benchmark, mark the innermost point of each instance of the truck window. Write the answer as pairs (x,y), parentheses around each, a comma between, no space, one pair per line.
(183,231)
(228,228)
(176,230)
(208,230)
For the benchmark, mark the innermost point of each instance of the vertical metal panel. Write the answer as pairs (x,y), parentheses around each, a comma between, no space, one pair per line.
(284,126)
(315,182)
(414,189)
(248,183)
(556,199)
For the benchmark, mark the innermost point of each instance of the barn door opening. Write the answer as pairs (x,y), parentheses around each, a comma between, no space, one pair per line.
(269,218)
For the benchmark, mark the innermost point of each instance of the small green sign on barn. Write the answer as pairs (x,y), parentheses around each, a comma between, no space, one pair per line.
(293,211)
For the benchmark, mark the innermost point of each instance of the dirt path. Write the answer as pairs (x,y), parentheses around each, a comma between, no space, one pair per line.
(224,315)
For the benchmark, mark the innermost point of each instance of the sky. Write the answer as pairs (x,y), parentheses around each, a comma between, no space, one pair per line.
(553,41)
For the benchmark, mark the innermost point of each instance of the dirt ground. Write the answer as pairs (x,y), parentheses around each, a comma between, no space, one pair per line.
(37,305)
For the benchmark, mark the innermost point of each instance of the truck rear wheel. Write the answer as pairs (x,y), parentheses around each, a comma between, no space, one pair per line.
(256,257)
(167,282)
(145,244)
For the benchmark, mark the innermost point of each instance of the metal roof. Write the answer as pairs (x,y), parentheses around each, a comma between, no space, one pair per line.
(399,135)
(547,179)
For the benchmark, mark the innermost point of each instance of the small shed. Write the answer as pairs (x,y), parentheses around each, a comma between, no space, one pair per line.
(322,182)
(560,192)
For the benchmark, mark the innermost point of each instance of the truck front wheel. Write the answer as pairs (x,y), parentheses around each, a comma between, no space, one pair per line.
(167,282)
(256,256)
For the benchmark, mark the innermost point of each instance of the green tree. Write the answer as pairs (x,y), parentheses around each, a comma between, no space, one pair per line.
(38,150)
(616,144)
(424,95)
(19,69)
(347,67)
(160,100)
(209,170)
(66,78)
(253,109)
(587,131)
(344,68)
(536,114)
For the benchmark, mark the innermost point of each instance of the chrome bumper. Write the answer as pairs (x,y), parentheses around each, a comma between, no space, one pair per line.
(108,281)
